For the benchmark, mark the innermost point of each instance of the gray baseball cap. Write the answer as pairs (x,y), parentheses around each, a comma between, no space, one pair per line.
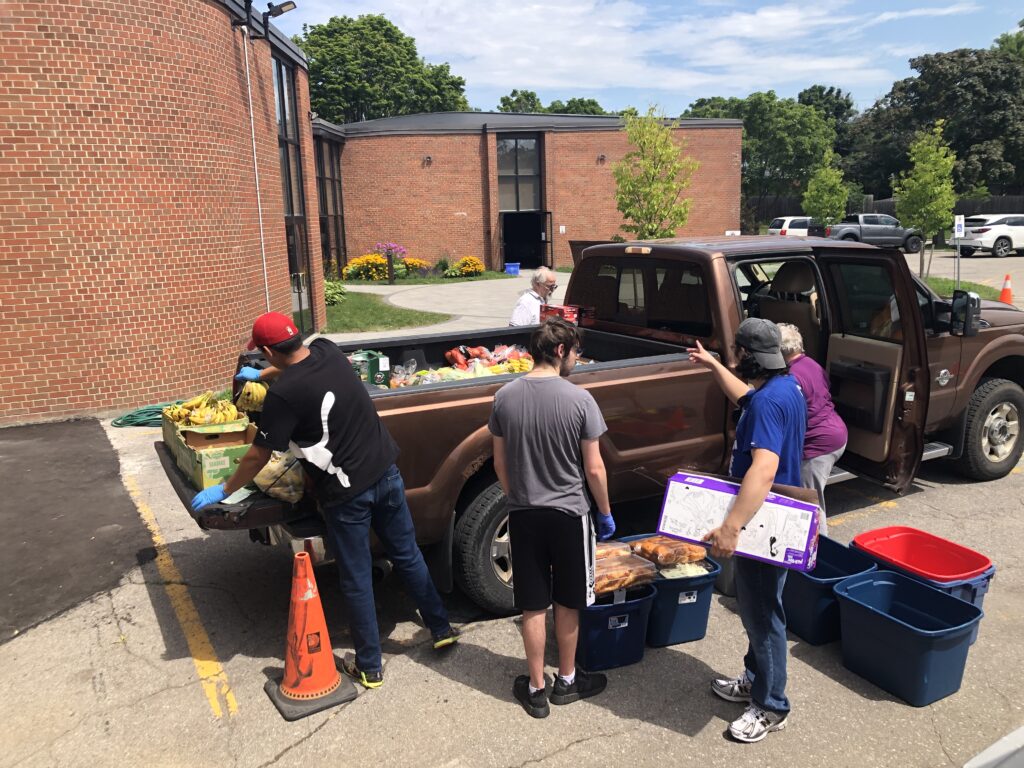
(762,339)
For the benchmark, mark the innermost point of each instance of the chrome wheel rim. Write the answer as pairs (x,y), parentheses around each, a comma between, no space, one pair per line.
(501,553)
(1000,432)
(1002,248)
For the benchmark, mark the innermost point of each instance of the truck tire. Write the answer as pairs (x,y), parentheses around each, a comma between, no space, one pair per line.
(993,442)
(483,557)
(912,244)
(1001,248)
(849,238)
(967,251)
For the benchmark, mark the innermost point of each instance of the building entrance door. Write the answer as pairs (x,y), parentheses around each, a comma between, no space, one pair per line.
(526,238)
(300,277)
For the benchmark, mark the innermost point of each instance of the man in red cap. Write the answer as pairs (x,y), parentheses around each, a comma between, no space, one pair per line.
(319,408)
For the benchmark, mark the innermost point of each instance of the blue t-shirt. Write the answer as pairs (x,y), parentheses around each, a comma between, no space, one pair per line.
(773,417)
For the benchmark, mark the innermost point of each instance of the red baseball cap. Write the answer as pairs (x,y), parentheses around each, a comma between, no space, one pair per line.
(271,328)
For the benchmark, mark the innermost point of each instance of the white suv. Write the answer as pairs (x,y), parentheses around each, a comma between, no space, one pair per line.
(795,226)
(999,233)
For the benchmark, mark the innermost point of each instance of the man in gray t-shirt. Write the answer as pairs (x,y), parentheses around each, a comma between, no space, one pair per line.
(545,432)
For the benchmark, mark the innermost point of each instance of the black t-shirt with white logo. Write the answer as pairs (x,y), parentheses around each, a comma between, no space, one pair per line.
(320,409)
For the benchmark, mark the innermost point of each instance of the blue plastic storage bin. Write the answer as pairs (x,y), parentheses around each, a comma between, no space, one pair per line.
(905,636)
(511,268)
(613,635)
(812,612)
(679,613)
(970,590)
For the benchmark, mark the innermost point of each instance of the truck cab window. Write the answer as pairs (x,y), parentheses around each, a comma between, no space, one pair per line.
(867,301)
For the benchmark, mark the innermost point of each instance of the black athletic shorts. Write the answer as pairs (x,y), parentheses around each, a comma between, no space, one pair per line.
(553,559)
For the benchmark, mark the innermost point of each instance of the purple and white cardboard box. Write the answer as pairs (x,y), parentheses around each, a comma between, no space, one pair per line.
(783,532)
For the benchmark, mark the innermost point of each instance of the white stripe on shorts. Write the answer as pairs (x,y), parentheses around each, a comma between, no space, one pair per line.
(589,546)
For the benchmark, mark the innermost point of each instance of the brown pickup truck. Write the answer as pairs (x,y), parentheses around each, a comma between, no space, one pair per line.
(914,376)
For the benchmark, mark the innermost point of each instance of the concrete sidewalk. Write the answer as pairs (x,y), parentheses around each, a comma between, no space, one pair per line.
(473,305)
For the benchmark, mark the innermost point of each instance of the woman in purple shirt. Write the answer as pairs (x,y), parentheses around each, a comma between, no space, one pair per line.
(825,439)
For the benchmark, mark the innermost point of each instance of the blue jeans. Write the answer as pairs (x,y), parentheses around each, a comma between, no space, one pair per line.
(382,506)
(759,593)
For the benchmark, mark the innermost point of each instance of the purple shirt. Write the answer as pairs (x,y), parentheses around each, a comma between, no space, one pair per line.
(826,431)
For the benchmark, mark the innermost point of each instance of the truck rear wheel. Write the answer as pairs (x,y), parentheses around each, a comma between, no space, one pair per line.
(483,554)
(913,244)
(993,440)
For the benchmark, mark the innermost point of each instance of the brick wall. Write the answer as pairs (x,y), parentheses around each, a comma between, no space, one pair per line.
(130,267)
(391,193)
(449,206)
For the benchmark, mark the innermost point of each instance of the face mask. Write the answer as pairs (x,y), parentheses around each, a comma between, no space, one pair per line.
(748,368)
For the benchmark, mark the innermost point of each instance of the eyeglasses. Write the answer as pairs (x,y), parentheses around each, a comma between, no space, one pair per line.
(551,286)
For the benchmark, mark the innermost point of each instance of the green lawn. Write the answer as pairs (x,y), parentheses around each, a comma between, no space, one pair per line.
(367,312)
(944,287)
(432,279)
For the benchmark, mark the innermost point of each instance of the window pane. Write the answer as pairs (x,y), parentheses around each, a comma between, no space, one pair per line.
(288,75)
(285,186)
(776,224)
(529,193)
(529,159)
(506,156)
(631,288)
(868,301)
(295,161)
(507,193)
(680,303)
(871,220)
(277,95)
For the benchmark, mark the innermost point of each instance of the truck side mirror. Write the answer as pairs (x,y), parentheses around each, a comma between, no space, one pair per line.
(966,313)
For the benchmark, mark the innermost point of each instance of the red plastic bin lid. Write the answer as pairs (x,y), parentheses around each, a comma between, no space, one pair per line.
(923,553)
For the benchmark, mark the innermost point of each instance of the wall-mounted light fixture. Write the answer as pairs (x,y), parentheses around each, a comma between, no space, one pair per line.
(601,158)
(273,11)
(427,161)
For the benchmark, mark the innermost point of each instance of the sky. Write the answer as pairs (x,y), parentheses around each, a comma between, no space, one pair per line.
(666,54)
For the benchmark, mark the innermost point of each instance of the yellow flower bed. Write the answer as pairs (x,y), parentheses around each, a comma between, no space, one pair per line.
(469,266)
(413,264)
(371,266)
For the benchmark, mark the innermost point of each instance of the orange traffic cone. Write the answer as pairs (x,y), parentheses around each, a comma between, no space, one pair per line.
(311,681)
(1006,295)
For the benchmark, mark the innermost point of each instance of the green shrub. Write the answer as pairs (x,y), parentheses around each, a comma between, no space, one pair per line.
(442,265)
(334,293)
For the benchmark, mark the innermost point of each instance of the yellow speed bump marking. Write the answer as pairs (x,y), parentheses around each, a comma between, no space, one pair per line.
(208,667)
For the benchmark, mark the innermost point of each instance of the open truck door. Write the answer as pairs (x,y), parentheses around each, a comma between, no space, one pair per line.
(877,362)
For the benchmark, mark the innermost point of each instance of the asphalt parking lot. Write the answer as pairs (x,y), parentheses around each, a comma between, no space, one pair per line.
(166,666)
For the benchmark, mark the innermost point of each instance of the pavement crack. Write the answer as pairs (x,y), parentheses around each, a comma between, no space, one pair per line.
(942,745)
(571,744)
(307,737)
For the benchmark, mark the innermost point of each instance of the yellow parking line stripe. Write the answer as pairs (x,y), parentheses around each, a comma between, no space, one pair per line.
(208,666)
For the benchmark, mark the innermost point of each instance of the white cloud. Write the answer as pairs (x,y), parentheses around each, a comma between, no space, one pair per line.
(569,47)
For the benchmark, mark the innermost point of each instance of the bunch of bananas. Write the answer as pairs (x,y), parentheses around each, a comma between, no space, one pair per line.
(499,368)
(252,395)
(520,366)
(202,409)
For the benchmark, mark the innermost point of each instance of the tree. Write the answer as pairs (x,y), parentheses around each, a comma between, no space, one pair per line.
(783,141)
(826,195)
(366,68)
(924,195)
(576,106)
(980,94)
(521,101)
(836,107)
(651,178)
(1012,42)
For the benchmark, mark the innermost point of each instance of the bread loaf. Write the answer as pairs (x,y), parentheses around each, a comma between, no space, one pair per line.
(614,573)
(607,549)
(665,551)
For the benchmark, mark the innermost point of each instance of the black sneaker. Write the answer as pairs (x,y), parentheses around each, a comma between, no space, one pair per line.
(365,679)
(535,704)
(446,639)
(584,686)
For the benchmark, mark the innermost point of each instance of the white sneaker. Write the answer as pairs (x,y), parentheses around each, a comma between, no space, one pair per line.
(756,723)
(733,689)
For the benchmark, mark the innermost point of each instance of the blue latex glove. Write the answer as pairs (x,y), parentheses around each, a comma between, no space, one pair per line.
(211,495)
(248,373)
(605,527)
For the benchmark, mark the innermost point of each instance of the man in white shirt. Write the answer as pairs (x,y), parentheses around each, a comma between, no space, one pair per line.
(527,309)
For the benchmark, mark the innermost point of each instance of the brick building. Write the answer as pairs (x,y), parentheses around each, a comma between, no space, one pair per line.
(162,182)
(505,187)
(134,250)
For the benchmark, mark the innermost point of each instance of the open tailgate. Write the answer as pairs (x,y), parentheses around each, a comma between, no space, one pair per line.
(257,511)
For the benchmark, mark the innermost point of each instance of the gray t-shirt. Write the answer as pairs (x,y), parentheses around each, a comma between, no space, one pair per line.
(543,419)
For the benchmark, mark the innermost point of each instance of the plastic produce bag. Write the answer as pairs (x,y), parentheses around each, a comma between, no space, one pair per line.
(282,477)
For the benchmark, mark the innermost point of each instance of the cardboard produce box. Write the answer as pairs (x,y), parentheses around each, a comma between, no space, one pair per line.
(783,532)
(208,454)
(567,312)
